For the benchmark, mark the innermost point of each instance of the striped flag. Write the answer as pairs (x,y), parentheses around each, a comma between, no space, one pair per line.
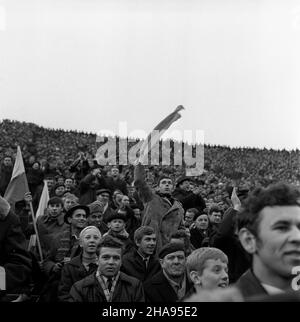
(235,199)
(18,184)
(43,201)
(154,137)
(40,211)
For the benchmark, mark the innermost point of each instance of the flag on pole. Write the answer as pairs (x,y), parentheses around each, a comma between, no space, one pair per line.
(158,131)
(40,211)
(18,184)
(43,201)
(235,199)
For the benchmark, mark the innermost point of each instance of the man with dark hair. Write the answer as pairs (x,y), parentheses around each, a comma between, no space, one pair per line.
(88,186)
(190,215)
(108,284)
(171,284)
(104,196)
(64,248)
(162,212)
(189,198)
(215,219)
(269,230)
(115,182)
(183,235)
(51,223)
(141,261)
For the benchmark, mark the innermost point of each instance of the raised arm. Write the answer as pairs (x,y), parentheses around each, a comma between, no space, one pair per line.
(145,192)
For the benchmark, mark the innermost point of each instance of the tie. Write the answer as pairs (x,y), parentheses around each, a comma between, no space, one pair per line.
(109,283)
(145,262)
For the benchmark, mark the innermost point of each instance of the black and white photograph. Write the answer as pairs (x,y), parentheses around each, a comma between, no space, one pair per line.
(149,154)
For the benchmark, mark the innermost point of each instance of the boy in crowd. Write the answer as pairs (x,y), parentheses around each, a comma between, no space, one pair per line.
(82,265)
(141,261)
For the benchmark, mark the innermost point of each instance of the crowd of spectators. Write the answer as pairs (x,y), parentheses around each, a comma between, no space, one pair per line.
(154,215)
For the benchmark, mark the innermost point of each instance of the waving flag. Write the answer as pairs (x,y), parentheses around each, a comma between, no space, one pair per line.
(41,209)
(158,131)
(18,184)
(235,199)
(43,201)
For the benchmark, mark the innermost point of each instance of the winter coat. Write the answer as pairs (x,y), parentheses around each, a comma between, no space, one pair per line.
(133,265)
(13,255)
(87,192)
(159,290)
(118,184)
(249,285)
(72,272)
(128,289)
(189,199)
(163,215)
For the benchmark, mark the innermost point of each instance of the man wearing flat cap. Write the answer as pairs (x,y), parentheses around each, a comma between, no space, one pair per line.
(171,284)
(162,212)
(103,196)
(64,249)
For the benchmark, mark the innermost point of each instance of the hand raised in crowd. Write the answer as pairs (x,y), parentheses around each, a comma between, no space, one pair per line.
(57,267)
(196,190)
(96,172)
(28,197)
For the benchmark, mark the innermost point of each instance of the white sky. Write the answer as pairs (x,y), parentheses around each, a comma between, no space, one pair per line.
(88,64)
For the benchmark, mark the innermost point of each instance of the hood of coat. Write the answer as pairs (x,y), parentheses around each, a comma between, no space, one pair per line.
(4,208)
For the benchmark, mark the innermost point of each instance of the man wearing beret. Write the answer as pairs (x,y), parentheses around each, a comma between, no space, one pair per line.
(162,212)
(171,284)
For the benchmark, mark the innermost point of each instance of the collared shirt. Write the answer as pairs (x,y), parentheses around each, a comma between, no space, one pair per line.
(180,289)
(145,259)
(272,290)
(103,281)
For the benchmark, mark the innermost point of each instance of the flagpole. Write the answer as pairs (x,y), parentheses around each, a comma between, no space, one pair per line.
(36,231)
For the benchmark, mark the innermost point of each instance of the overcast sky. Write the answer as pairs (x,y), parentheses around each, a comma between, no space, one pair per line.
(88,64)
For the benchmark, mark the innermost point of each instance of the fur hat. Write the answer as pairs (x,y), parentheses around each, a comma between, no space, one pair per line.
(116,215)
(95,206)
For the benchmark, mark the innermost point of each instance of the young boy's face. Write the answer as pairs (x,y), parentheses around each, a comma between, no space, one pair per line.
(215,274)
(116,225)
